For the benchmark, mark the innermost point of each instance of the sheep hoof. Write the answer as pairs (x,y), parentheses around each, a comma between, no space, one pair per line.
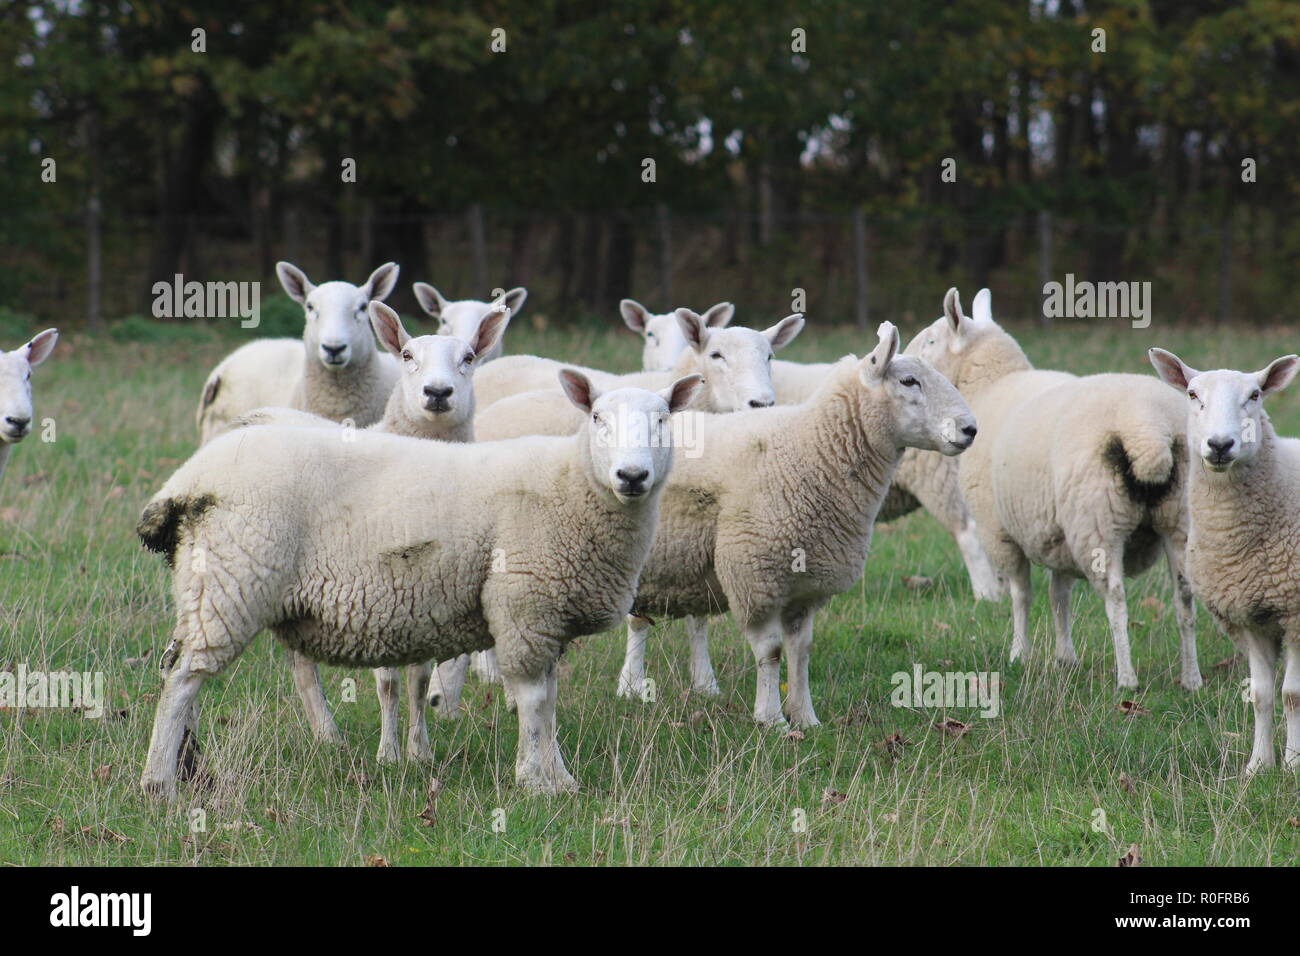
(158,789)
(804,721)
(772,723)
(629,688)
(551,785)
(709,689)
(1067,660)
(329,735)
(387,753)
(1128,681)
(1192,682)
(420,752)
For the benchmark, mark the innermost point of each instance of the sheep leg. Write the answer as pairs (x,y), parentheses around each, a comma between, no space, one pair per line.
(446,685)
(1263,672)
(765,641)
(538,765)
(306,677)
(484,665)
(1060,588)
(631,679)
(1291,704)
(703,680)
(1111,588)
(417,689)
(984,580)
(175,707)
(386,682)
(1022,595)
(1185,614)
(798,648)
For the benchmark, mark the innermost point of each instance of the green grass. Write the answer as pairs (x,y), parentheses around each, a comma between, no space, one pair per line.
(684,780)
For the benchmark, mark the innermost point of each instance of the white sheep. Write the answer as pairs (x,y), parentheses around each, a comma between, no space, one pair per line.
(662,334)
(334,370)
(431,550)
(462,318)
(433,399)
(769,513)
(1243,546)
(1083,476)
(16,390)
(733,361)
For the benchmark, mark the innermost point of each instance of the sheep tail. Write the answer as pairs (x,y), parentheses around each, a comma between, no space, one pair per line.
(161,524)
(1144,455)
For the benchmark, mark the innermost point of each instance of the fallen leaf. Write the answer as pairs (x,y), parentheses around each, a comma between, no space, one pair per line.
(10,514)
(375,859)
(137,661)
(1126,783)
(102,774)
(892,745)
(430,812)
(890,818)
(1152,603)
(1131,708)
(1294,821)
(952,727)
(1132,858)
(39,478)
(831,797)
(1227,662)
(918,582)
(360,778)
(104,835)
(117,491)
(795,735)
(275,816)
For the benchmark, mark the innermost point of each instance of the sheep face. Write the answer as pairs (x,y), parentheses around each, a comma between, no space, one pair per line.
(437,370)
(464,318)
(664,339)
(924,409)
(736,363)
(1224,408)
(629,431)
(16,385)
(337,330)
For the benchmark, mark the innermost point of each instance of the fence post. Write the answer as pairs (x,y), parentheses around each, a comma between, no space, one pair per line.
(861,311)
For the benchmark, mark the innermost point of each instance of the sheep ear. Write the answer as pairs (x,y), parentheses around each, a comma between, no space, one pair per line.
(430,299)
(719,315)
(875,364)
(1171,369)
(783,333)
(982,308)
(388,328)
(381,282)
(578,388)
(952,309)
(515,299)
(39,348)
(1278,375)
(295,281)
(682,392)
(693,328)
(635,315)
(492,328)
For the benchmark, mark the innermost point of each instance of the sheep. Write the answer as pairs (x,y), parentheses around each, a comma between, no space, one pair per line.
(334,370)
(1243,546)
(734,363)
(662,335)
(16,390)
(433,399)
(432,550)
(772,515)
(462,318)
(1083,476)
(919,481)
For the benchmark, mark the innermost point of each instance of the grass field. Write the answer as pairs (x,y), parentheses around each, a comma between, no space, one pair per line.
(682,781)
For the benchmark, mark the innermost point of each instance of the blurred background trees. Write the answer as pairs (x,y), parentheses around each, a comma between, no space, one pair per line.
(792,149)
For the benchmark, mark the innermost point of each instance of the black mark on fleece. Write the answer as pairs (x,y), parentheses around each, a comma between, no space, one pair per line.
(162,522)
(1146,493)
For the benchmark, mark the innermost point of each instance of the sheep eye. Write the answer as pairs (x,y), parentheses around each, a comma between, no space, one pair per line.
(406,356)
(910,382)
(1192,395)
(649,335)
(469,357)
(716,356)
(1254,396)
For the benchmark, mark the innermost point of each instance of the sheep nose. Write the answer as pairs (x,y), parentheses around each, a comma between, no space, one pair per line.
(1220,445)
(333,351)
(438,393)
(632,477)
(756,403)
(17,423)
(969,431)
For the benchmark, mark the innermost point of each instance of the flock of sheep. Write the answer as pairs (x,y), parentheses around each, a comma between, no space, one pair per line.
(433,503)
